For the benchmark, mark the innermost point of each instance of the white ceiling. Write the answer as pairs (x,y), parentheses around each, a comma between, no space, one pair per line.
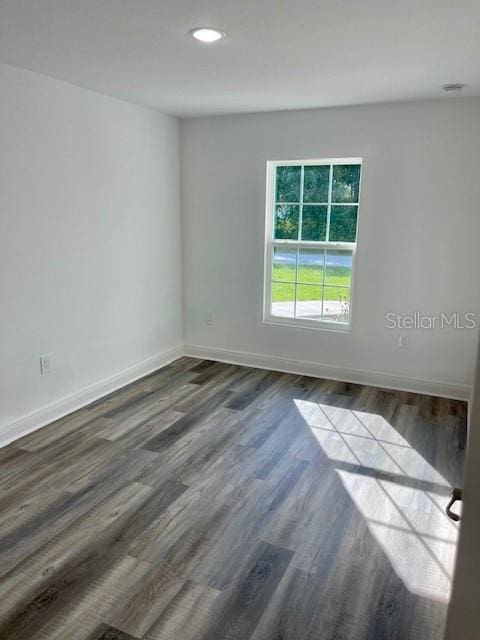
(278,54)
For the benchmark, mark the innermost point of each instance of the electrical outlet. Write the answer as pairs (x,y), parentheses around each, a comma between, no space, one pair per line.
(45,364)
(209,318)
(402,342)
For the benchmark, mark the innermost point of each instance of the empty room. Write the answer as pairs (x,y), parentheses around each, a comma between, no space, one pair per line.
(239,359)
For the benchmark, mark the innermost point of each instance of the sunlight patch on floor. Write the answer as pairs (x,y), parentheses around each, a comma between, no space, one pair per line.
(406,518)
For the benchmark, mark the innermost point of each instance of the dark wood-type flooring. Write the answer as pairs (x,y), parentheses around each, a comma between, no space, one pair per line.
(210,501)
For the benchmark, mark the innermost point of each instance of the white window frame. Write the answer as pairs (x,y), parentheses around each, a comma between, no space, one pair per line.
(271,243)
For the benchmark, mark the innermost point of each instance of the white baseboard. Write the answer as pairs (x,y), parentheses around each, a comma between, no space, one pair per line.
(37,419)
(331,372)
(83,397)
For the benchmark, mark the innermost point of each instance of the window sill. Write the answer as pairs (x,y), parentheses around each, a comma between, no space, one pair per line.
(314,325)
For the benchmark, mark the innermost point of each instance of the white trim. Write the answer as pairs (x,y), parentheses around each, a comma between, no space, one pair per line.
(329,207)
(300,211)
(315,244)
(316,161)
(33,421)
(83,397)
(380,379)
(306,323)
(317,204)
(270,243)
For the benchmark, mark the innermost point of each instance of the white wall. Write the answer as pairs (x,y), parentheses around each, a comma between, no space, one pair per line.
(419,230)
(89,239)
(90,251)
(463,621)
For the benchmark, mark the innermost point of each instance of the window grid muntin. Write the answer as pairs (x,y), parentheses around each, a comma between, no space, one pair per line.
(296,204)
(299,244)
(322,286)
(329,204)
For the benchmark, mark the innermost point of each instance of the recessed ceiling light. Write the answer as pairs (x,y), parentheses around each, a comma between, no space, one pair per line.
(454,87)
(207,34)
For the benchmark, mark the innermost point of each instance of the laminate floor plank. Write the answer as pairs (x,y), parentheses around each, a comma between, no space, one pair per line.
(90,563)
(105,632)
(238,609)
(187,423)
(29,583)
(187,616)
(139,607)
(210,501)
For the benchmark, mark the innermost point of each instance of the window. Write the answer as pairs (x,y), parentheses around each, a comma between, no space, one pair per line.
(311,234)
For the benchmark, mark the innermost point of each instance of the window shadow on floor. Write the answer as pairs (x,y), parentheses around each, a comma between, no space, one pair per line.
(400,494)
